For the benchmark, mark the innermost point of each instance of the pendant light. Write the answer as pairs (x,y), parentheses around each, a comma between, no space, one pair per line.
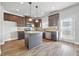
(30,19)
(36,14)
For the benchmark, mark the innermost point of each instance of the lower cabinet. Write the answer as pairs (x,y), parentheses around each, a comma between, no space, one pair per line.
(21,35)
(48,35)
(51,35)
(54,36)
(43,35)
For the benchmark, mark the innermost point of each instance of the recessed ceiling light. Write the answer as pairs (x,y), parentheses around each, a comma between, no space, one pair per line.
(17,10)
(53,8)
(21,2)
(42,13)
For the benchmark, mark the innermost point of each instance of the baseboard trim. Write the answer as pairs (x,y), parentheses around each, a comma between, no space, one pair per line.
(77,43)
(8,40)
(2,43)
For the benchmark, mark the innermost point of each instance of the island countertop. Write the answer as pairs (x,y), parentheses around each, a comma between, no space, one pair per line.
(32,32)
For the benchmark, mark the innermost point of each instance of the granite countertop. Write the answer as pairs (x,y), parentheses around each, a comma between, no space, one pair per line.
(51,30)
(33,32)
(20,30)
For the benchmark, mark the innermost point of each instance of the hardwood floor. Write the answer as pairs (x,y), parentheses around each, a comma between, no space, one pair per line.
(48,48)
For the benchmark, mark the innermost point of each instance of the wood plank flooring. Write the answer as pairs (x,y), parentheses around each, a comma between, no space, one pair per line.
(48,48)
(0,50)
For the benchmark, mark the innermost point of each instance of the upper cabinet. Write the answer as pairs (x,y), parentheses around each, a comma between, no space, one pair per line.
(18,19)
(22,21)
(8,17)
(53,20)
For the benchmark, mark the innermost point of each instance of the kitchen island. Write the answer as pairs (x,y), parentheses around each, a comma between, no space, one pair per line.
(33,39)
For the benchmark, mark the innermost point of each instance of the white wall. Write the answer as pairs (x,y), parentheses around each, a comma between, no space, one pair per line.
(72,12)
(1,24)
(45,22)
(13,13)
(7,28)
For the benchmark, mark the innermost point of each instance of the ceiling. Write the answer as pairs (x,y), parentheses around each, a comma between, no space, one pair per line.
(22,8)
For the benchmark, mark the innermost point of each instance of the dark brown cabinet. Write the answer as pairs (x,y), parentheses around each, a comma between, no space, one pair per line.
(21,21)
(26,20)
(8,17)
(18,19)
(54,36)
(21,35)
(53,20)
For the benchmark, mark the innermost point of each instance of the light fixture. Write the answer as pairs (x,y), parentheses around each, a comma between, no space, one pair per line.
(36,11)
(36,21)
(21,2)
(30,19)
(36,14)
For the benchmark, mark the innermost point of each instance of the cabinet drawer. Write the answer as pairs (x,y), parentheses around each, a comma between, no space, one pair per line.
(21,35)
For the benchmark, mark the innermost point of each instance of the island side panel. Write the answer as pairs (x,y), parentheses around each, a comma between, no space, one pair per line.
(35,40)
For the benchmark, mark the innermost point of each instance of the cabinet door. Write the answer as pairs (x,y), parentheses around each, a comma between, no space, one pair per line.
(54,36)
(48,35)
(7,17)
(13,18)
(21,35)
(20,21)
(53,20)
